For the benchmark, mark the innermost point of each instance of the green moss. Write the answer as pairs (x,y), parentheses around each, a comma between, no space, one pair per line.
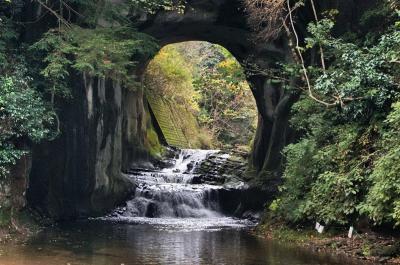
(178,124)
(288,234)
(153,144)
(366,249)
(392,250)
(167,120)
(285,234)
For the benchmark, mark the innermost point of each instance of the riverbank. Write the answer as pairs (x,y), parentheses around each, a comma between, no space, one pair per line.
(25,225)
(9,235)
(368,246)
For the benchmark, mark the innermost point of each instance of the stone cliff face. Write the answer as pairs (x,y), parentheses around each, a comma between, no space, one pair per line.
(81,171)
(104,125)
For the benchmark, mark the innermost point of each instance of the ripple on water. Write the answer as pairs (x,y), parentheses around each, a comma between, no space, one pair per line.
(183,224)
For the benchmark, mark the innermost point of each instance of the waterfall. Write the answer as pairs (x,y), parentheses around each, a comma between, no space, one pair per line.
(169,193)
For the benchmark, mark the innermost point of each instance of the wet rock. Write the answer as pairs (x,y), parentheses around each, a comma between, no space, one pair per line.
(165,163)
(168,160)
(252,216)
(384,259)
(241,202)
(387,251)
(151,210)
(220,168)
(190,166)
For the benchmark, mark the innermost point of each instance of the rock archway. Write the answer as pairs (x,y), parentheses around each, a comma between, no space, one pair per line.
(103,127)
(224,23)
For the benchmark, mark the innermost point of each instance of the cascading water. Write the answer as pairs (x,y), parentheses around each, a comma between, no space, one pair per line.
(169,192)
(168,195)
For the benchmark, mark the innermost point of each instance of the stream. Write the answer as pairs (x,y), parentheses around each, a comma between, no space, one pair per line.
(168,220)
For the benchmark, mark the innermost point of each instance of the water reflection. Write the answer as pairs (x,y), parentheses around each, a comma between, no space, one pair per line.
(106,244)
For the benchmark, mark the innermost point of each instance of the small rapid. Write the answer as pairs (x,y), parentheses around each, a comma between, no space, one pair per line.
(168,196)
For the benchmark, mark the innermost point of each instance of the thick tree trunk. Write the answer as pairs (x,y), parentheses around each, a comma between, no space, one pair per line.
(273,131)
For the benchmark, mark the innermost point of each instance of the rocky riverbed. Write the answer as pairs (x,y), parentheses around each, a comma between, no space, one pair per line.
(196,179)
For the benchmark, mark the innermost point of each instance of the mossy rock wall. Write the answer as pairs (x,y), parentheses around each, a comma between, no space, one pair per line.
(169,121)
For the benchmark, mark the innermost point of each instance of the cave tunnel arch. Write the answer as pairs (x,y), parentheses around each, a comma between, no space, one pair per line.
(224,23)
(184,112)
(104,122)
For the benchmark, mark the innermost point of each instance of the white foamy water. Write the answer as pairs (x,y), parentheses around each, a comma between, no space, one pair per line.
(185,224)
(169,192)
(167,198)
(187,156)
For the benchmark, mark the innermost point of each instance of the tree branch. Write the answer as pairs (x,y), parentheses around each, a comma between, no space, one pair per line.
(320,47)
(302,63)
(58,16)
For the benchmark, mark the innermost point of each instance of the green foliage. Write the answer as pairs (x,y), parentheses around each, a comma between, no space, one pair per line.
(334,197)
(326,173)
(299,174)
(23,115)
(103,52)
(8,35)
(346,165)
(152,143)
(207,82)
(383,200)
(227,106)
(168,75)
(157,5)
(362,73)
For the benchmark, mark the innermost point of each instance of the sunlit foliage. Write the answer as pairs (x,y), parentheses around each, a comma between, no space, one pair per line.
(210,83)
(227,105)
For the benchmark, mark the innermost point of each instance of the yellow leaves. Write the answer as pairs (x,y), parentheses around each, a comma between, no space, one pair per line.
(228,64)
(168,74)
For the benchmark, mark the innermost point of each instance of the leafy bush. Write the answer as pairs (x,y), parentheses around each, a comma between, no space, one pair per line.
(23,117)
(363,77)
(227,105)
(383,200)
(347,163)
(334,197)
(300,172)
(97,52)
(324,178)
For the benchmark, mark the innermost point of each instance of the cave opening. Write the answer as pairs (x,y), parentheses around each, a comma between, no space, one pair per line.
(199,98)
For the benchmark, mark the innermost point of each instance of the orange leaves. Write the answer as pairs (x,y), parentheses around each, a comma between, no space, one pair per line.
(265,17)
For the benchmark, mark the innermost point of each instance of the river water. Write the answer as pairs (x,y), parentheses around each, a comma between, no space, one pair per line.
(168,220)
